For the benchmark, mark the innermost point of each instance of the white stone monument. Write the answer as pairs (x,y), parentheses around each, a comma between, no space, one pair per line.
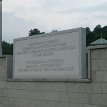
(55,56)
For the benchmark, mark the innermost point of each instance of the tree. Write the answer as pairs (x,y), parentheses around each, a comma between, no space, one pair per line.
(90,36)
(98,31)
(87,30)
(104,32)
(35,32)
(7,48)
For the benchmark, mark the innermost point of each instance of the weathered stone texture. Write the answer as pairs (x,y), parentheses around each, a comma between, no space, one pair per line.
(58,94)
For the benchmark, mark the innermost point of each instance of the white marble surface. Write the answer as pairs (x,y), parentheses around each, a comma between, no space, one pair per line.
(51,56)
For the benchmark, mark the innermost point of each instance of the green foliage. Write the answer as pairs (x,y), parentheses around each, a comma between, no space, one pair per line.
(91,36)
(7,48)
(98,32)
(35,32)
(104,32)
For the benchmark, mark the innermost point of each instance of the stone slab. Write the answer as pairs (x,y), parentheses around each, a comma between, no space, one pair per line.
(60,55)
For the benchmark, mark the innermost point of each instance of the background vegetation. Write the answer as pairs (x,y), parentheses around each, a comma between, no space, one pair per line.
(98,32)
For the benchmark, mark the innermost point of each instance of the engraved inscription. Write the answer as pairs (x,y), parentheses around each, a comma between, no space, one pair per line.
(49,56)
(45,48)
(42,49)
(45,66)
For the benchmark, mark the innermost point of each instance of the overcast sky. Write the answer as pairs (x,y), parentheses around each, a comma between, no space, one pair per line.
(19,16)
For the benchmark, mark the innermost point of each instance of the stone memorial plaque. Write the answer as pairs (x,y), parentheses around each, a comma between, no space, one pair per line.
(57,56)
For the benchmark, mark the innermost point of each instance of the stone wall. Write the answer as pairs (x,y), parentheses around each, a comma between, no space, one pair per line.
(58,94)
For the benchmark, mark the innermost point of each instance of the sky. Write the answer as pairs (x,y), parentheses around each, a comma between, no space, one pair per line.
(20,16)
